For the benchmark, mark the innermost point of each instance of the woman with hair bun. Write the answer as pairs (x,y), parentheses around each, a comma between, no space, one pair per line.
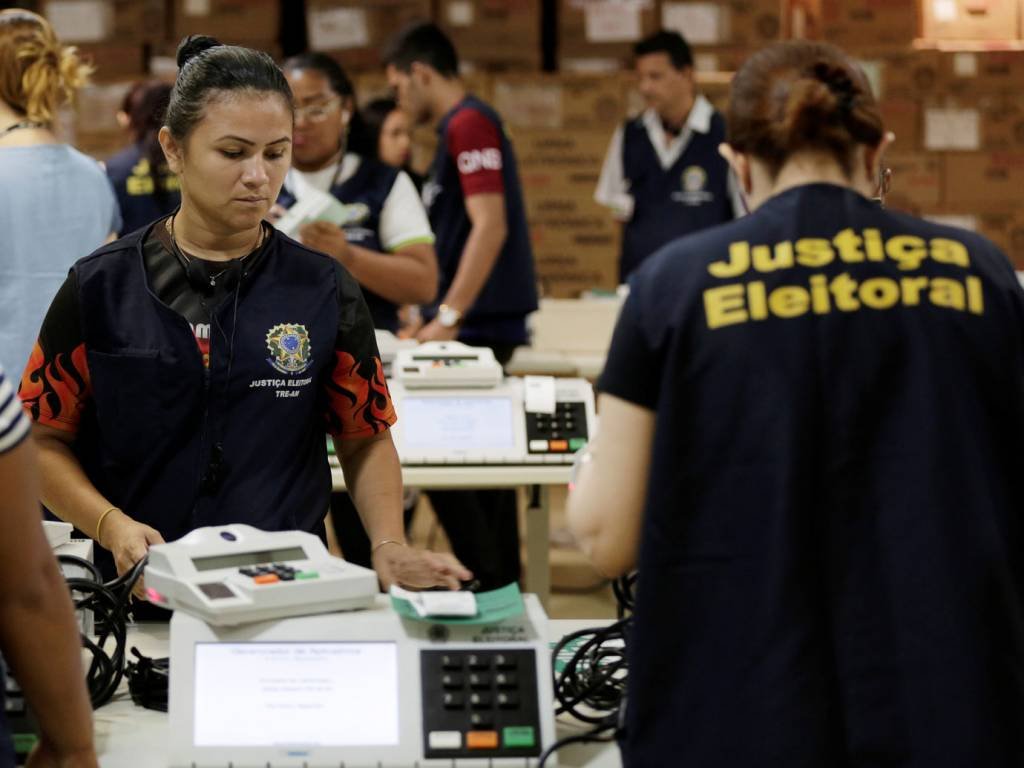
(186,374)
(812,434)
(55,203)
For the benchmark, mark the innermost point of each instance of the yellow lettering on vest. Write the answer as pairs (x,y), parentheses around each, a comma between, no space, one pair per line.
(950,252)
(820,303)
(907,250)
(783,257)
(814,252)
(789,301)
(975,298)
(873,245)
(139,185)
(739,261)
(947,293)
(847,243)
(911,288)
(724,306)
(879,293)
(843,289)
(757,302)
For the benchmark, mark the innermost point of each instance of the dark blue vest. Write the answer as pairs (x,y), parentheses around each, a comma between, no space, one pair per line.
(148,435)
(692,194)
(510,293)
(365,194)
(129,173)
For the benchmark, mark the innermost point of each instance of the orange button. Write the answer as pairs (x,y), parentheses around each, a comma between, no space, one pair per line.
(482,740)
(266,578)
(558,445)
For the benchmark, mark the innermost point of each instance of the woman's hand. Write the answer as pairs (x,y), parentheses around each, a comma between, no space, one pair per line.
(434,331)
(417,569)
(128,541)
(327,238)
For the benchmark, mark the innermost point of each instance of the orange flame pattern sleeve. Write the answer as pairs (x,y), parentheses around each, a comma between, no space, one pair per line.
(358,401)
(54,392)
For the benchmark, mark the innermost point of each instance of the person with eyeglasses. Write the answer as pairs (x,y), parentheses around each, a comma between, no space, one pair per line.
(188,374)
(811,451)
(385,240)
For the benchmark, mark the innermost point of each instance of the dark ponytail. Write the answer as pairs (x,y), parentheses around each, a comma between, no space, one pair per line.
(802,95)
(206,67)
(359,140)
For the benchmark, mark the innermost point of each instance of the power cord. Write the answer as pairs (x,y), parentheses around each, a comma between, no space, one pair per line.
(110,605)
(148,680)
(592,686)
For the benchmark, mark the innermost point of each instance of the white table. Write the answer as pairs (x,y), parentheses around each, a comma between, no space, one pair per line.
(128,736)
(534,477)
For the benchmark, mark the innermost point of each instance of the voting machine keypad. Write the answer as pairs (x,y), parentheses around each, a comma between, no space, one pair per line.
(480,703)
(564,431)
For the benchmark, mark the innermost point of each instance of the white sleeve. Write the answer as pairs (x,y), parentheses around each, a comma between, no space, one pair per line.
(403,219)
(14,425)
(612,188)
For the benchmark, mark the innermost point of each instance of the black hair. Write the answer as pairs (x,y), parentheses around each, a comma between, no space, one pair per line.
(671,43)
(374,115)
(341,84)
(424,43)
(205,66)
(148,108)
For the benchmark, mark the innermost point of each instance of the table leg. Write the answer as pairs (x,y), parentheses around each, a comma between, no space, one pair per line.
(538,543)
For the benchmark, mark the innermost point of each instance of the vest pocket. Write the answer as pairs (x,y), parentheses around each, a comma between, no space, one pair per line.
(129,389)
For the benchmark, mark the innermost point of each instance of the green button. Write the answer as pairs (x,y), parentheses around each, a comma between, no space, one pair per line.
(575,443)
(518,736)
(307,575)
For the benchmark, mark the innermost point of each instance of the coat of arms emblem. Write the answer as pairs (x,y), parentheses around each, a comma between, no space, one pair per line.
(289,348)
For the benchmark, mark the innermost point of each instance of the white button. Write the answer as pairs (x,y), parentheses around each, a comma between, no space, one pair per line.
(538,445)
(445,740)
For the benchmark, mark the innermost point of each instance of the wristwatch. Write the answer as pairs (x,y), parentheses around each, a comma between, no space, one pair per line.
(449,317)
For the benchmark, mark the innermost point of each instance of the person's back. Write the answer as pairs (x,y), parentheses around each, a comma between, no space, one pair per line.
(56,204)
(827,399)
(836,530)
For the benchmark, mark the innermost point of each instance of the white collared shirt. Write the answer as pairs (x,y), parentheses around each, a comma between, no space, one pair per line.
(613,188)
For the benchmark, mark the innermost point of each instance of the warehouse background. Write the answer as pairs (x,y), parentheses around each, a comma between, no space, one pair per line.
(948,73)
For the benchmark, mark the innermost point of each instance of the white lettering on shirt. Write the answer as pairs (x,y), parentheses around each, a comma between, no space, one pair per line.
(473,160)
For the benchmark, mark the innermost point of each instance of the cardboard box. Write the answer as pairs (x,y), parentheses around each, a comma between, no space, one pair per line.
(917,181)
(967,73)
(230,21)
(855,25)
(985,123)
(494,34)
(603,30)
(576,102)
(970,19)
(114,61)
(98,21)
(903,118)
(575,240)
(905,75)
(355,31)
(983,178)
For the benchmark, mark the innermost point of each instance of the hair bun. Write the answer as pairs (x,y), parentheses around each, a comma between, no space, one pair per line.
(192,46)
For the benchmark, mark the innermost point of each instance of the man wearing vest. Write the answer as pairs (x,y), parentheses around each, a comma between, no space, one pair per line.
(488,287)
(663,177)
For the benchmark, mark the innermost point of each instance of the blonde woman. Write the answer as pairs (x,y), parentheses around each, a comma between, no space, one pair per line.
(55,203)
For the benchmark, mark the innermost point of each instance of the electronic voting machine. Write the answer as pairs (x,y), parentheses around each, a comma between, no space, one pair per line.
(232,574)
(365,689)
(455,407)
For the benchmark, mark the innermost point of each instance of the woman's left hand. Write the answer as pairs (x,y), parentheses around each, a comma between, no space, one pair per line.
(327,238)
(417,569)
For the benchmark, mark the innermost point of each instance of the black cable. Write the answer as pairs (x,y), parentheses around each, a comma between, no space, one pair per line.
(592,686)
(148,681)
(110,604)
